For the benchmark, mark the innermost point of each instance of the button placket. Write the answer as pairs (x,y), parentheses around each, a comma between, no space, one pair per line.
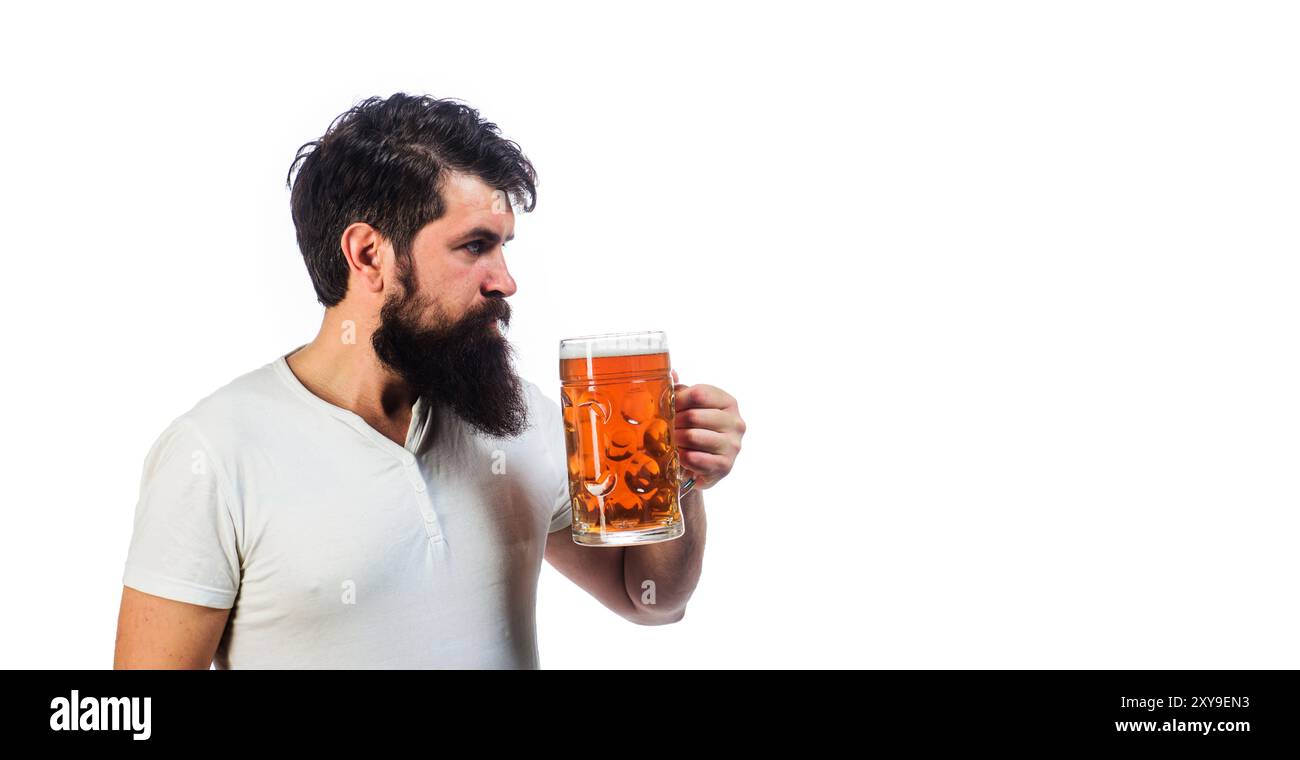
(416,479)
(414,436)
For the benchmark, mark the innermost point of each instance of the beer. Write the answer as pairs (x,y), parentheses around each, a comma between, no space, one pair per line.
(617,399)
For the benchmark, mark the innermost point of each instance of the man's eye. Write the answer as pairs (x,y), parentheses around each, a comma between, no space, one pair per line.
(475,247)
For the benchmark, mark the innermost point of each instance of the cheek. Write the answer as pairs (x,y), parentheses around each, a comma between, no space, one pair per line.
(453,286)
(456,295)
(467,284)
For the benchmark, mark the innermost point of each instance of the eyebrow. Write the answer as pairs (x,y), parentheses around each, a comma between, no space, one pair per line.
(485,233)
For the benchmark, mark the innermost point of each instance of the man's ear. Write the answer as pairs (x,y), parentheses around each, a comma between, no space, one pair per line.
(365,251)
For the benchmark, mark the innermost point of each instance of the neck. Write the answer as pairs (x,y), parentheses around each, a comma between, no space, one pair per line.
(339,365)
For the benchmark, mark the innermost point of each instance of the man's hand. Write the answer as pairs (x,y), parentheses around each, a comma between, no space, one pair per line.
(707,431)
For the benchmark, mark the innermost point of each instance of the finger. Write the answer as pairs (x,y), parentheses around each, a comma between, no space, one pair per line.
(675,380)
(699,439)
(709,419)
(703,396)
(704,463)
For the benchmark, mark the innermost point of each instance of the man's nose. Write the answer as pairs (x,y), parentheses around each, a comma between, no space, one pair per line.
(499,283)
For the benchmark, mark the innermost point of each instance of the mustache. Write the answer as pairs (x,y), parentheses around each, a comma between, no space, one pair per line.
(495,310)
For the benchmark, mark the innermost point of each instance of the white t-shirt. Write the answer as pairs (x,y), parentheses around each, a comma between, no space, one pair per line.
(333,546)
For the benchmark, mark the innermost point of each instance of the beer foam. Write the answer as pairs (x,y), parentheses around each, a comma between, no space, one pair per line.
(614,344)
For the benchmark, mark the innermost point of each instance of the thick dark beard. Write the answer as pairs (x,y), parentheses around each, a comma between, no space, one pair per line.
(465,365)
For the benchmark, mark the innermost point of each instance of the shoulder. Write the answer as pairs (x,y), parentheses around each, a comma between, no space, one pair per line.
(539,404)
(544,421)
(538,455)
(235,414)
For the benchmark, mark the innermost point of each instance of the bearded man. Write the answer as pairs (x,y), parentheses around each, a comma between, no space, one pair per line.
(383,496)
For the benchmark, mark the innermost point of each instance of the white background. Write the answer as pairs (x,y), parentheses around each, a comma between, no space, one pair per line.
(1006,291)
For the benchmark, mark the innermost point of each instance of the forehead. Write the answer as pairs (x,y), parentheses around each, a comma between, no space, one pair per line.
(469,203)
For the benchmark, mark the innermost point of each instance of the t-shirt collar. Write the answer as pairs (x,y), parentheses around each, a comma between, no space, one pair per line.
(414,434)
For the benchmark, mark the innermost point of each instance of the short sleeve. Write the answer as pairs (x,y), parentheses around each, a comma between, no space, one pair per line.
(563,516)
(184,544)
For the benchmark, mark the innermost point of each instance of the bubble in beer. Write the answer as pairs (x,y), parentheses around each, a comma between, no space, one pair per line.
(657,440)
(638,406)
(642,474)
(620,444)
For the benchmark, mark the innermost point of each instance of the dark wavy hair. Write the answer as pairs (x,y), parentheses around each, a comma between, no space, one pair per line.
(382,162)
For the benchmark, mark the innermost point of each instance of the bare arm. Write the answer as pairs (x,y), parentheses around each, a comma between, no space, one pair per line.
(153,632)
(661,577)
(615,575)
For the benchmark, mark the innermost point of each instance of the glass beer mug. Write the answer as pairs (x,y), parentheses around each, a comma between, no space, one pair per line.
(625,482)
